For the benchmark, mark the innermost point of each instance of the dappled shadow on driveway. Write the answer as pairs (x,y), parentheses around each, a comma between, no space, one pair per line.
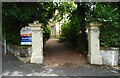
(13,67)
(57,54)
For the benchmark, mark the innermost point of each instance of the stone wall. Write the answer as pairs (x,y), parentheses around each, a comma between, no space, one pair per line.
(110,56)
(23,54)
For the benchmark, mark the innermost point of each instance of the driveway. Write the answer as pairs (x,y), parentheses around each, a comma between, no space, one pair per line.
(57,54)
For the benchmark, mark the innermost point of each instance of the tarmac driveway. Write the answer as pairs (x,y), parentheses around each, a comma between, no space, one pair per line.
(13,67)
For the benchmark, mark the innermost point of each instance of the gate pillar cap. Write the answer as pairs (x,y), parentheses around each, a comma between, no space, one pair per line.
(35,24)
(94,24)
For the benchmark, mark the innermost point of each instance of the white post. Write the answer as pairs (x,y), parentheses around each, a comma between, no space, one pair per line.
(94,55)
(37,43)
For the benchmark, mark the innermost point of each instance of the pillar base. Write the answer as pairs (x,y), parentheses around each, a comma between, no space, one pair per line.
(37,60)
(95,59)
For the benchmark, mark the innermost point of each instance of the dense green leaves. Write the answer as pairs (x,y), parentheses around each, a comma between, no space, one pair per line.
(46,33)
(17,15)
(105,13)
(73,32)
(108,14)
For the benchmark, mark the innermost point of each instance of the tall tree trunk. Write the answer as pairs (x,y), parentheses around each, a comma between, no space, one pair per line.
(82,39)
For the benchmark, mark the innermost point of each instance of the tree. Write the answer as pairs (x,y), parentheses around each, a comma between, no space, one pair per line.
(108,14)
(82,37)
(105,13)
(16,16)
(76,35)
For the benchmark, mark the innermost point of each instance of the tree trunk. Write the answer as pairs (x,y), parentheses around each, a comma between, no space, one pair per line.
(82,39)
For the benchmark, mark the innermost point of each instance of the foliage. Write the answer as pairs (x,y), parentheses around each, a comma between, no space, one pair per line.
(105,13)
(73,32)
(70,30)
(108,15)
(63,8)
(16,16)
(46,33)
(65,31)
(69,33)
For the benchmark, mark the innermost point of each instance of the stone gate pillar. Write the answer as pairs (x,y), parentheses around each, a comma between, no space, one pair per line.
(94,55)
(37,43)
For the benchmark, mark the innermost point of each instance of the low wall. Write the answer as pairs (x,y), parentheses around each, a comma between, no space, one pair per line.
(110,56)
(24,54)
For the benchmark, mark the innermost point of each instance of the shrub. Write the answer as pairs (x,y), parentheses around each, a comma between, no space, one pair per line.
(69,33)
(46,33)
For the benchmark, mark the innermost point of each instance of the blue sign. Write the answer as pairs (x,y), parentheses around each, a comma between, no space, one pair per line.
(26,40)
(26,36)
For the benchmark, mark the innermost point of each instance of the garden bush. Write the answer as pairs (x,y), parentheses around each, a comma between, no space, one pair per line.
(46,33)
